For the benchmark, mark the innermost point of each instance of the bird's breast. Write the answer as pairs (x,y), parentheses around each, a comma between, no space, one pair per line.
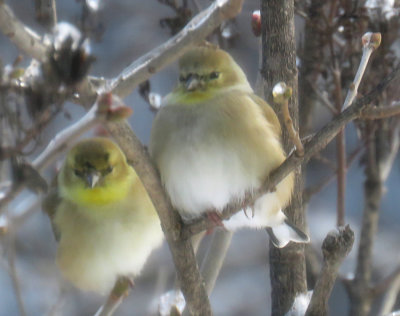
(202,168)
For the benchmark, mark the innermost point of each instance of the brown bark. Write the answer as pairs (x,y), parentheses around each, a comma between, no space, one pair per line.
(287,265)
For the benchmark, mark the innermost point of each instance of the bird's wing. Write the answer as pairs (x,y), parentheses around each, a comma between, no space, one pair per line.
(269,113)
(50,204)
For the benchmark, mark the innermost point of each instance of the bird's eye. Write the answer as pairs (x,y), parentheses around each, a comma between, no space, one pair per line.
(214,75)
(77,173)
(109,170)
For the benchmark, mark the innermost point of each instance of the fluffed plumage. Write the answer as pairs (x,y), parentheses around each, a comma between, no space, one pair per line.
(103,218)
(213,140)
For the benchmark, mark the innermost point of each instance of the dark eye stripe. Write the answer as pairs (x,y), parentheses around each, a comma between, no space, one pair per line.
(108,170)
(78,173)
(214,75)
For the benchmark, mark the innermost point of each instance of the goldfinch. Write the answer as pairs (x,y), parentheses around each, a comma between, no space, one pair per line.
(103,218)
(213,140)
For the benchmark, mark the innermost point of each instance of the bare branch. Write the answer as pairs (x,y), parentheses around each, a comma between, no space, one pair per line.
(197,29)
(371,41)
(340,150)
(119,292)
(375,112)
(323,98)
(282,94)
(391,287)
(312,190)
(336,246)
(22,36)
(215,256)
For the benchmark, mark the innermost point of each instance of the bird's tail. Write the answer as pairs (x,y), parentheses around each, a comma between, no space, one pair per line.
(282,234)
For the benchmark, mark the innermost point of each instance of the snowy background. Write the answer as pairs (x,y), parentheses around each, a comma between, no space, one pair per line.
(131,28)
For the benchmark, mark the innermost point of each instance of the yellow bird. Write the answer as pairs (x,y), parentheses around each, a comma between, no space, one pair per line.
(103,218)
(213,140)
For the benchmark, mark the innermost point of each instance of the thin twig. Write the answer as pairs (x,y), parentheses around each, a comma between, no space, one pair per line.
(312,190)
(370,41)
(281,94)
(212,262)
(323,98)
(391,287)
(214,258)
(340,152)
(375,112)
(119,292)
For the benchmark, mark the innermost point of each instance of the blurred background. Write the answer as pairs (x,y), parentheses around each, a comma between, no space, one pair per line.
(125,30)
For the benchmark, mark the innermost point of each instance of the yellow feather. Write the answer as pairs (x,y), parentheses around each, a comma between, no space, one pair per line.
(106,228)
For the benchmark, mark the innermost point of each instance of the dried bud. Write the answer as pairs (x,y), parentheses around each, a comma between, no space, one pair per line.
(281,92)
(112,108)
(372,40)
(256,23)
(70,56)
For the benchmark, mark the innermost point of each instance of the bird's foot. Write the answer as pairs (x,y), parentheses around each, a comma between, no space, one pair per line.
(215,218)
(246,210)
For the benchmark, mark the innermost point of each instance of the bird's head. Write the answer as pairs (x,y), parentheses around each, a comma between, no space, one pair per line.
(205,71)
(95,172)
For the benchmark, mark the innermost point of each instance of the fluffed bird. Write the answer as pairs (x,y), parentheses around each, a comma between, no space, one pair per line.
(214,140)
(103,218)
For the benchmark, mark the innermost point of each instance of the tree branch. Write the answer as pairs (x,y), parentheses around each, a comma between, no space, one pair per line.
(119,292)
(391,287)
(198,28)
(22,36)
(375,112)
(335,247)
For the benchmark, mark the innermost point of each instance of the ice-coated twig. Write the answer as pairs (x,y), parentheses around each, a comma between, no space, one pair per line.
(197,29)
(215,257)
(103,110)
(370,42)
(281,94)
(22,36)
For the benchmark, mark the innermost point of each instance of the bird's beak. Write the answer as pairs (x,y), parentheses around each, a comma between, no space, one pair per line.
(192,83)
(92,178)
